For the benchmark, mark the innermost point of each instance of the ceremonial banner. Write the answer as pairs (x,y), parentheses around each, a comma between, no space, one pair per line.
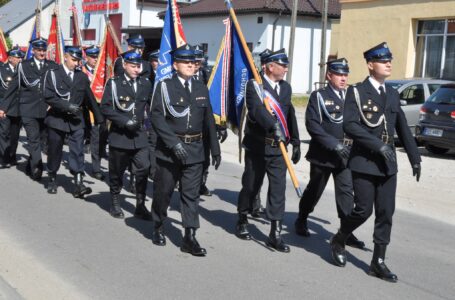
(55,45)
(77,37)
(33,35)
(171,38)
(105,65)
(36,30)
(3,47)
(228,80)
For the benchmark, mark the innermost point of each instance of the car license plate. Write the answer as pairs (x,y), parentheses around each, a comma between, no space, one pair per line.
(432,132)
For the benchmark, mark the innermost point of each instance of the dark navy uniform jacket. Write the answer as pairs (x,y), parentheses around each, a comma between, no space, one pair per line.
(31,99)
(325,134)
(58,115)
(199,121)
(7,76)
(119,136)
(365,157)
(260,122)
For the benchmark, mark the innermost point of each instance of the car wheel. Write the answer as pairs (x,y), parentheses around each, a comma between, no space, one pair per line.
(435,150)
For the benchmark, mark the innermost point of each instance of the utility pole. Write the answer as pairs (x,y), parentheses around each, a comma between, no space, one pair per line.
(323,41)
(292,38)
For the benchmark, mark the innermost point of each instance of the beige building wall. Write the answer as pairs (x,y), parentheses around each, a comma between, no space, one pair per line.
(366,23)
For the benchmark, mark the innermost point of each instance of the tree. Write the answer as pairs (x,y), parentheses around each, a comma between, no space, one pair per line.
(3,2)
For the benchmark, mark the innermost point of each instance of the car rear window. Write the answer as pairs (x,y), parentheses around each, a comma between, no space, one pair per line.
(433,87)
(444,95)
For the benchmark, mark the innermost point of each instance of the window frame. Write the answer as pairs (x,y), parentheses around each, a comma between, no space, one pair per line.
(445,34)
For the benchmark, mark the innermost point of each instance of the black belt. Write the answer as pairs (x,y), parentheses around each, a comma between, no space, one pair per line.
(388,139)
(271,142)
(190,138)
(346,142)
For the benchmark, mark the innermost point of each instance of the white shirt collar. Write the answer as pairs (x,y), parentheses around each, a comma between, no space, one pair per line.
(38,61)
(337,92)
(89,68)
(376,84)
(11,67)
(182,81)
(67,71)
(134,83)
(273,83)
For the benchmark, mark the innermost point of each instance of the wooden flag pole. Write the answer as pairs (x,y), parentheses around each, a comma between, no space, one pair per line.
(258,79)
(113,33)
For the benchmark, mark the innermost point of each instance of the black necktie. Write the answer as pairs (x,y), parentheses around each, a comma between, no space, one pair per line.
(132,81)
(382,93)
(70,76)
(341,95)
(40,65)
(276,89)
(187,88)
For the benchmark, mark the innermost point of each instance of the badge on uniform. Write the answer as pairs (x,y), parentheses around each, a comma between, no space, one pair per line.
(337,107)
(369,101)
(201,98)
(127,98)
(181,99)
(369,116)
(375,108)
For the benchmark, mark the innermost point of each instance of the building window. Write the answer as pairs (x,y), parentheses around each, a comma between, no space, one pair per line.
(435,49)
(88,34)
(250,46)
(260,20)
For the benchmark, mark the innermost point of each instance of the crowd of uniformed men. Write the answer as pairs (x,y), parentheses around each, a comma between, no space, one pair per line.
(166,132)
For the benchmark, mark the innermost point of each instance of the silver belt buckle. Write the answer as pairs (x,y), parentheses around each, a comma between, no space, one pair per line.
(187,140)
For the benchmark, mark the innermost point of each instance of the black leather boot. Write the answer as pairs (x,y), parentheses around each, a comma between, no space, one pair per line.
(354,242)
(52,184)
(132,183)
(378,267)
(37,173)
(204,190)
(116,210)
(80,190)
(275,241)
(141,211)
(301,227)
(158,237)
(190,244)
(337,245)
(241,230)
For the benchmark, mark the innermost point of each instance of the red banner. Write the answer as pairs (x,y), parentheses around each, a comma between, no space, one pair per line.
(3,48)
(105,65)
(54,44)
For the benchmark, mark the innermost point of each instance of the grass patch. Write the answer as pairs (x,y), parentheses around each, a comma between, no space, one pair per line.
(300,100)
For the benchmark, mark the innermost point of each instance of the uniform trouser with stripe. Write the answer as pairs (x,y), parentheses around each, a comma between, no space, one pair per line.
(34,128)
(319,176)
(372,191)
(167,174)
(56,138)
(256,166)
(120,159)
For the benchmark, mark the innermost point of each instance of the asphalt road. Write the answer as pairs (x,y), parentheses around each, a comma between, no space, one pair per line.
(58,247)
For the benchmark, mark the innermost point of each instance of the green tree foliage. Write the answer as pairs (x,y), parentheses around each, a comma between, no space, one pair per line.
(9,42)
(3,2)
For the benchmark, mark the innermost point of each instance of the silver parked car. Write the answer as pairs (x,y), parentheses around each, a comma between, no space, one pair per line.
(413,93)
